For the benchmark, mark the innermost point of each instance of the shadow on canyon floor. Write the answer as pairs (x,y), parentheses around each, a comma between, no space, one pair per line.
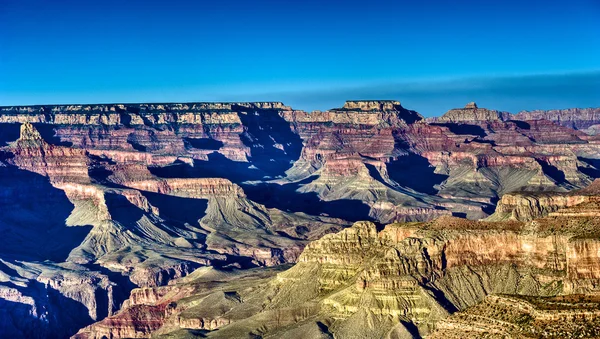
(415,172)
(9,133)
(593,171)
(52,316)
(203,143)
(217,166)
(463,129)
(273,145)
(178,209)
(48,133)
(284,197)
(553,172)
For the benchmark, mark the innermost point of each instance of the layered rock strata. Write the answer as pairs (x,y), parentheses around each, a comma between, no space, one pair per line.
(403,281)
(141,194)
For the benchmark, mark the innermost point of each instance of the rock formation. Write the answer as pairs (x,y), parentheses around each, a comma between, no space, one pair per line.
(448,277)
(100,199)
(471,113)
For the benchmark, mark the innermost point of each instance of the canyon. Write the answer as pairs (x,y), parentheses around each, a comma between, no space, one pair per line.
(258,220)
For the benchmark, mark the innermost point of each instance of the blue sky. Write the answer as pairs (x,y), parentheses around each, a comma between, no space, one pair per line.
(432,55)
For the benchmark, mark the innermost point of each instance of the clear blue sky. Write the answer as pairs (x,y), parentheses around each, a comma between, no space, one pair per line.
(310,54)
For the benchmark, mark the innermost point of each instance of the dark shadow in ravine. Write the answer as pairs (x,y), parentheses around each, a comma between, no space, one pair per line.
(284,197)
(594,171)
(121,209)
(287,198)
(203,143)
(414,171)
(217,166)
(520,124)
(63,316)
(48,133)
(463,129)
(132,139)
(178,209)
(33,228)
(9,133)
(98,172)
(553,172)
(120,292)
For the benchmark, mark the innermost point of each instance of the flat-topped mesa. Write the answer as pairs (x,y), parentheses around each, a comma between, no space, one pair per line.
(362,112)
(136,114)
(141,108)
(471,112)
(471,105)
(372,105)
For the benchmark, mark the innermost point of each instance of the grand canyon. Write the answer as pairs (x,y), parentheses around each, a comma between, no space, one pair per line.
(257,220)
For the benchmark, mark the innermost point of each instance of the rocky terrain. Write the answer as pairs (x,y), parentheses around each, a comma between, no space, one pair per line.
(181,218)
(450,277)
(502,316)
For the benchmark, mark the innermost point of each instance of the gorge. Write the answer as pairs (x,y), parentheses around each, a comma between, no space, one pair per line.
(253,219)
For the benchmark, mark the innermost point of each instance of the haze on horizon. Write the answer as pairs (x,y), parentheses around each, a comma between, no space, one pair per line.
(432,56)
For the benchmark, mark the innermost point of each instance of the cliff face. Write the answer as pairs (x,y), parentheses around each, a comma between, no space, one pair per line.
(142,194)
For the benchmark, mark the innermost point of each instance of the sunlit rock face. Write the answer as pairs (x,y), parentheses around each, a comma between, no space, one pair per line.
(528,206)
(98,200)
